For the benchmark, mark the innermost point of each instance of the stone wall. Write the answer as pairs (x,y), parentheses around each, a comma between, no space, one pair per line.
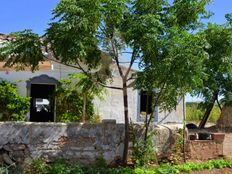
(75,142)
(227,147)
(83,143)
(203,150)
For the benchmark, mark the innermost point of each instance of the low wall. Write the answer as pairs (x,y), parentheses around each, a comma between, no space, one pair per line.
(227,147)
(203,150)
(75,142)
(21,142)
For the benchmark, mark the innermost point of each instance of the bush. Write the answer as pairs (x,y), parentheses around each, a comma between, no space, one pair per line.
(70,103)
(75,99)
(13,106)
(143,152)
(37,167)
(61,167)
(101,162)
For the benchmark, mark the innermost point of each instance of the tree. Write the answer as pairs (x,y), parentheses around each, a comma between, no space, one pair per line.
(177,69)
(129,31)
(218,67)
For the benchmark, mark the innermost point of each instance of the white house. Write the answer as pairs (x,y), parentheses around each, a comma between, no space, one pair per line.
(40,84)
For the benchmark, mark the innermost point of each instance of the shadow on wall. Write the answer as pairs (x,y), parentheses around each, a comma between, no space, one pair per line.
(165,141)
(75,142)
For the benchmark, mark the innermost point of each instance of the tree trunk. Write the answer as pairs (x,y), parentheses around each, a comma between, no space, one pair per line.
(84,107)
(126,138)
(208,110)
(219,105)
(146,122)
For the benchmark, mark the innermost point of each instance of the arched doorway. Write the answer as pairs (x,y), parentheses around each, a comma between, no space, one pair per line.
(41,90)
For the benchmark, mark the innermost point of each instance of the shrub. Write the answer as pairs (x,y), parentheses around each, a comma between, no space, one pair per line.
(37,167)
(70,103)
(13,106)
(101,162)
(75,99)
(60,167)
(143,151)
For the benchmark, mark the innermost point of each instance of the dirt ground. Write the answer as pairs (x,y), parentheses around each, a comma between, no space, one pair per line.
(214,171)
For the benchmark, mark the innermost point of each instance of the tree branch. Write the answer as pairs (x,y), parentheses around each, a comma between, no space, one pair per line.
(57,61)
(128,62)
(132,61)
(115,51)
(111,87)
(127,52)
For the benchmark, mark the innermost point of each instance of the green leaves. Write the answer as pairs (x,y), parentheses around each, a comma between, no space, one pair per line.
(59,167)
(13,106)
(71,95)
(80,30)
(176,69)
(187,12)
(73,33)
(23,50)
(218,67)
(229,18)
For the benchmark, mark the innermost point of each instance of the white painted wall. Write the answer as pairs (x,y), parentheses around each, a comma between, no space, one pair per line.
(20,77)
(109,108)
(112,106)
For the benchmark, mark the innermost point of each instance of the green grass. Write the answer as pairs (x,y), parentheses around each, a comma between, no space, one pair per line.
(195,114)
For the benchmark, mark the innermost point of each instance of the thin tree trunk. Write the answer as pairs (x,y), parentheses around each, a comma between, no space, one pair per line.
(84,107)
(126,138)
(219,105)
(146,121)
(184,128)
(208,111)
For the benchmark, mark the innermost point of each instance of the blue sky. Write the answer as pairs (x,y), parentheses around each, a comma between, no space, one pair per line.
(35,14)
(18,15)
(25,14)
(220,8)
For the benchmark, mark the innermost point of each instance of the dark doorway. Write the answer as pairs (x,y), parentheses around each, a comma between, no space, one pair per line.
(42,103)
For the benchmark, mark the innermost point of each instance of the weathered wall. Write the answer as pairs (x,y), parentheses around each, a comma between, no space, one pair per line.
(203,150)
(75,142)
(83,143)
(227,147)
